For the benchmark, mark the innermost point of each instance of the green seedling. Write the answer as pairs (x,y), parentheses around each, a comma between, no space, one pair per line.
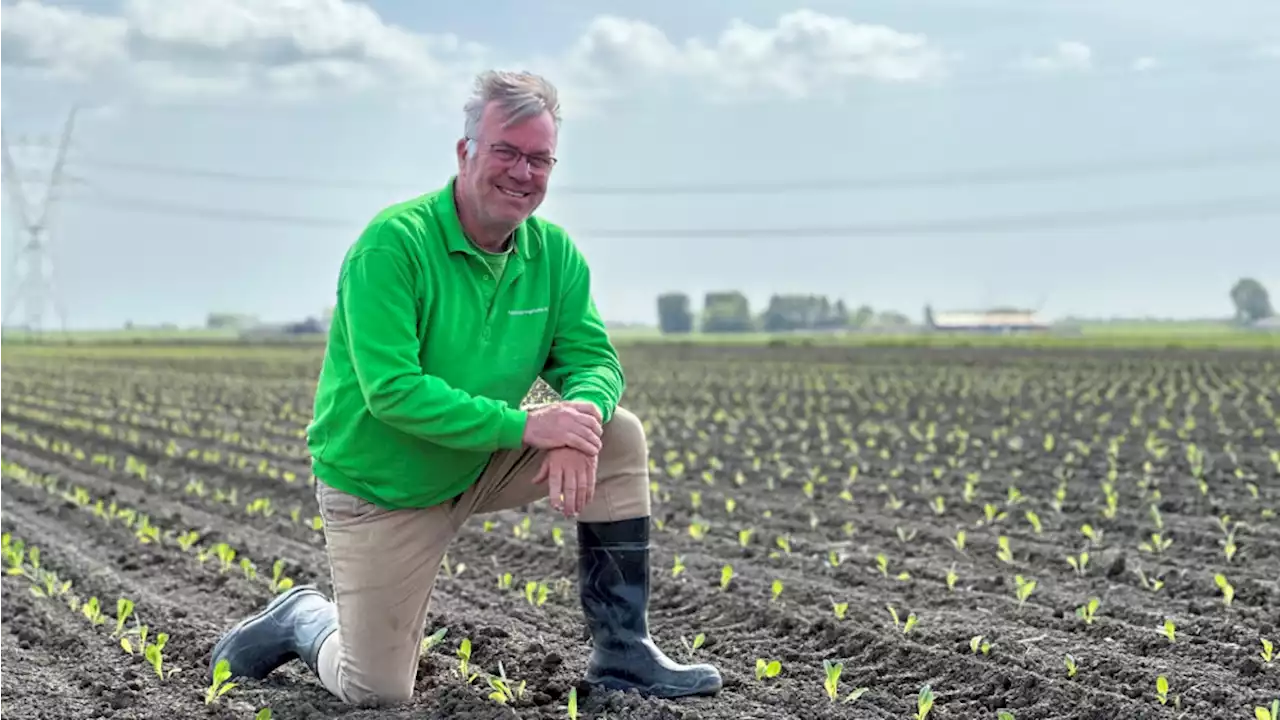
(464,662)
(279,583)
(124,608)
(1094,535)
(832,682)
(536,593)
(744,536)
(1152,584)
(768,669)
(503,692)
(263,714)
(977,644)
(432,640)
(1024,589)
(154,653)
(907,626)
(1268,651)
(777,590)
(187,540)
(93,611)
(840,609)
(1005,715)
(952,577)
(1170,630)
(924,703)
(219,686)
(1162,690)
(698,641)
(225,554)
(1157,545)
(726,575)
(504,581)
(248,568)
(1070,662)
(1004,553)
(1261,713)
(958,541)
(1087,611)
(572,707)
(1079,563)
(1034,520)
(1228,591)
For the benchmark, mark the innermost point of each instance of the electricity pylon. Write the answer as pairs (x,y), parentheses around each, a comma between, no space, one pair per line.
(34,286)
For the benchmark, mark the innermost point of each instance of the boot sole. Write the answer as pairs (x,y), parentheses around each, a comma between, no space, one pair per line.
(666,692)
(263,669)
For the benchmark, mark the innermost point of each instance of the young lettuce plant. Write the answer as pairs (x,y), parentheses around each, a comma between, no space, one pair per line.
(924,703)
(219,686)
(768,669)
(502,689)
(1262,713)
(832,682)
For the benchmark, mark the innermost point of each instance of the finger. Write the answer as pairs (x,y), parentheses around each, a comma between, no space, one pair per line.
(555,476)
(590,483)
(589,408)
(570,493)
(586,442)
(541,477)
(590,424)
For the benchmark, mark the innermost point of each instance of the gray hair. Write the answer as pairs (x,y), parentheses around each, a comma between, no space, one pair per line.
(520,96)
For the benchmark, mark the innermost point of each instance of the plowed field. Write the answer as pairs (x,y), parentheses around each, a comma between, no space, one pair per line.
(1053,534)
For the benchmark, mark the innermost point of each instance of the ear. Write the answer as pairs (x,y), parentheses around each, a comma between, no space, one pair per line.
(462,153)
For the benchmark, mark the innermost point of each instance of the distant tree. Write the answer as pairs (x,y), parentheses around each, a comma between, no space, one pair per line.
(1251,300)
(726,312)
(862,316)
(232,321)
(674,314)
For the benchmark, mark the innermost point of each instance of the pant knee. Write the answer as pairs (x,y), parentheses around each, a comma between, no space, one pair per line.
(623,471)
(624,436)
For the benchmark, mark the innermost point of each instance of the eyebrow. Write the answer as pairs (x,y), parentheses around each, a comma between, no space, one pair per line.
(544,153)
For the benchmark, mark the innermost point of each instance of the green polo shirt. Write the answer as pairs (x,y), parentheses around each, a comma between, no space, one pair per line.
(432,349)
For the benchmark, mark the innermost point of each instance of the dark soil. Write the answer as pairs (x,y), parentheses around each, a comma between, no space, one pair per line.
(218,436)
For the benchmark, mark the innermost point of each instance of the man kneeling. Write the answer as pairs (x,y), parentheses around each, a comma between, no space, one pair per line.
(448,307)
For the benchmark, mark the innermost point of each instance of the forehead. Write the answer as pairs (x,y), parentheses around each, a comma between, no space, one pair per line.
(532,135)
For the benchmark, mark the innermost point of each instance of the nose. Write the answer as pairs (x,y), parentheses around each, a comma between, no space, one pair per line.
(520,170)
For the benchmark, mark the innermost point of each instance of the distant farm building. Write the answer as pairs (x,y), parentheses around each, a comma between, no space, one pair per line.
(1266,324)
(1000,320)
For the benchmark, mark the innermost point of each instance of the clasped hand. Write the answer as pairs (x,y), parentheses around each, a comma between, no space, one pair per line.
(571,433)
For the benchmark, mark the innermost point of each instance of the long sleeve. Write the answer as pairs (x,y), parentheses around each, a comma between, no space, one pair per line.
(379,307)
(583,364)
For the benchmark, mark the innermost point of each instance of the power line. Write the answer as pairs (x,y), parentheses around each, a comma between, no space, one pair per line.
(1139,165)
(1223,208)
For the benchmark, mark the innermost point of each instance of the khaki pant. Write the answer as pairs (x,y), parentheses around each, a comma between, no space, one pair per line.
(384,562)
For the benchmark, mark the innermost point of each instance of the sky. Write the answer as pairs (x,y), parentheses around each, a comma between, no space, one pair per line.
(1079,157)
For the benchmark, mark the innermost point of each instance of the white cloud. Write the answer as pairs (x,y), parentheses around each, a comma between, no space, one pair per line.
(295,48)
(66,44)
(802,54)
(1144,64)
(1067,56)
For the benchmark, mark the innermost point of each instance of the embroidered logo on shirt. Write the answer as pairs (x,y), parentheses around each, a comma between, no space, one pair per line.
(531,311)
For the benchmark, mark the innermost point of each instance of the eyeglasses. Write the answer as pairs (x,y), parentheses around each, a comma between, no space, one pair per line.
(510,155)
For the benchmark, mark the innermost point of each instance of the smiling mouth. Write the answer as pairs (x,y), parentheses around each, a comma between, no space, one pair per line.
(512,193)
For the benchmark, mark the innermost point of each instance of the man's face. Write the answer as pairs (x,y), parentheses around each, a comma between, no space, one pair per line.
(507,178)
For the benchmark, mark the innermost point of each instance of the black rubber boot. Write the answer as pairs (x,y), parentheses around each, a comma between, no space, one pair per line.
(613,576)
(292,626)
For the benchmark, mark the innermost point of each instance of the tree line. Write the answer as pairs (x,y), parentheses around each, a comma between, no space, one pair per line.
(730,312)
